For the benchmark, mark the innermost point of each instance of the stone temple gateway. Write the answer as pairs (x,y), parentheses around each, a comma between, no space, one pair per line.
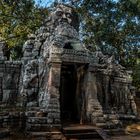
(60,82)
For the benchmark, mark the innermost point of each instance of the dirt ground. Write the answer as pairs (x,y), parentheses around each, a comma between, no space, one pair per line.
(128,137)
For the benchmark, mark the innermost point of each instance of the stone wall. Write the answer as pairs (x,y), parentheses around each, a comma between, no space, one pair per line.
(9,81)
(115,92)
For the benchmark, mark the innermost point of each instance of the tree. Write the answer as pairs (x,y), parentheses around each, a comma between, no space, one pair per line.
(18,19)
(111,26)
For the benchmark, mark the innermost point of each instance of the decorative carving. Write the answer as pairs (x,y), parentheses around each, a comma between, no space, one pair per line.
(65,14)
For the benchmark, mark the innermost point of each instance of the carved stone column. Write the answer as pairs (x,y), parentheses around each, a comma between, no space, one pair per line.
(106,92)
(53,91)
(1,91)
(1,79)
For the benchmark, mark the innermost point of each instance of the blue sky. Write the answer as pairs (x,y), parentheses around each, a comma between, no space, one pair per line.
(44,2)
(48,2)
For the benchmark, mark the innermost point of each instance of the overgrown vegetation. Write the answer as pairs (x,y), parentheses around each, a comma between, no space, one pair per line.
(19,18)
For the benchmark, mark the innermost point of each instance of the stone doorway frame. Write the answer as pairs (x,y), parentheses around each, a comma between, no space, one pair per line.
(79,91)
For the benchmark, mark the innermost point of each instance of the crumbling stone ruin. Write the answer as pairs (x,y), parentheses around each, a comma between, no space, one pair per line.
(59,81)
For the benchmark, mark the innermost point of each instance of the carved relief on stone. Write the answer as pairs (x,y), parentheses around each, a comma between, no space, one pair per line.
(65,14)
(62,14)
(28,46)
(30,82)
(65,29)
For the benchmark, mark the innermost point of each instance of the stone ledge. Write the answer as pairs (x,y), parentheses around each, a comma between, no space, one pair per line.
(37,120)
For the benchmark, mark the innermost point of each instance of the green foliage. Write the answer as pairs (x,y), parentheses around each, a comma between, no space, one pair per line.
(18,19)
(111,26)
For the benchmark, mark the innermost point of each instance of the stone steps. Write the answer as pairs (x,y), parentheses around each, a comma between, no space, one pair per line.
(41,127)
(54,135)
(83,136)
(83,132)
(38,128)
(115,132)
(11,120)
(39,124)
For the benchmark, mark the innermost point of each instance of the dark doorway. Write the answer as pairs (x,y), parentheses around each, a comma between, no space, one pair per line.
(69,111)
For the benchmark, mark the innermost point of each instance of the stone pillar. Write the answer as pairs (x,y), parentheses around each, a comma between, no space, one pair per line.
(80,94)
(132,101)
(53,91)
(106,79)
(1,91)
(2,66)
(94,109)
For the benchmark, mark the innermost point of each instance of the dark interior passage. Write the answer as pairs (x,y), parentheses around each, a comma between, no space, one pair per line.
(69,113)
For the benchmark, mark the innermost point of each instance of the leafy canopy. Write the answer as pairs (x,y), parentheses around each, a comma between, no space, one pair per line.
(18,19)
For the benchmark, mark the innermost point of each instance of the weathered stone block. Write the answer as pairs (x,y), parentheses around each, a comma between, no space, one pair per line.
(37,120)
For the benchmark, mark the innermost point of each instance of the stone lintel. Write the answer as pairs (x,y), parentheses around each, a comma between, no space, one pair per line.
(55,64)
